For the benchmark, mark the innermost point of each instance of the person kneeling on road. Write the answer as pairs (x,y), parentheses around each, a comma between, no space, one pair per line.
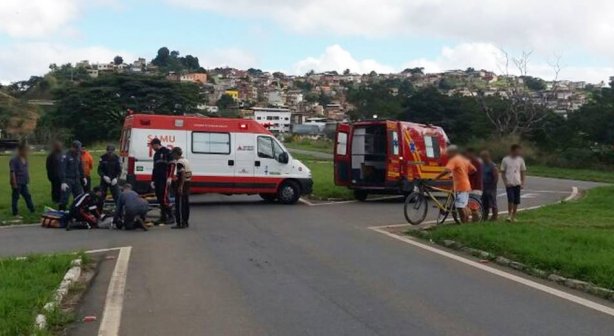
(181,188)
(86,210)
(131,210)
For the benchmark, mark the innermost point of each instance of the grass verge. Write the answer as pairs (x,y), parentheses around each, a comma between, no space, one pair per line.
(323,145)
(25,287)
(574,239)
(572,174)
(323,181)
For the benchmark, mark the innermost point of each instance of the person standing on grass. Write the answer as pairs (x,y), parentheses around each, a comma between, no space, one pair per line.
(20,178)
(88,164)
(475,178)
(72,175)
(54,159)
(109,169)
(513,172)
(490,179)
(460,168)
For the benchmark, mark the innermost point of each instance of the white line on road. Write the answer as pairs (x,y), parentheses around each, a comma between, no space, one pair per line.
(112,314)
(564,295)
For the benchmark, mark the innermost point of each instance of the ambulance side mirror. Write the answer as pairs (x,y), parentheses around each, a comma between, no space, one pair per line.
(283,158)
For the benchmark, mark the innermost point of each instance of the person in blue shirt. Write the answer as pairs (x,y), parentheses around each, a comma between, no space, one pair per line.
(72,175)
(20,178)
(131,210)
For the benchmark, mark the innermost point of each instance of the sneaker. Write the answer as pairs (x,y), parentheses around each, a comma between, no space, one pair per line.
(177,227)
(18,217)
(508,219)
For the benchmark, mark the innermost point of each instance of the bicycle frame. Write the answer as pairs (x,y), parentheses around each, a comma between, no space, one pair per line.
(428,190)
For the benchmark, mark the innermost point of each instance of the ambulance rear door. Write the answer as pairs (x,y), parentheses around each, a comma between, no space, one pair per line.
(343,155)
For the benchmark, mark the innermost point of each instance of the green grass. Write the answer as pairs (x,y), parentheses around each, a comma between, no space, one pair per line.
(323,181)
(575,239)
(572,174)
(323,146)
(25,287)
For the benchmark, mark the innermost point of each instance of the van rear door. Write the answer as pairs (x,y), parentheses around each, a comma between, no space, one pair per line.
(393,161)
(343,155)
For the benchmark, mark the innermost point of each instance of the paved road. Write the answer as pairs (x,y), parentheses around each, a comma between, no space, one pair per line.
(250,268)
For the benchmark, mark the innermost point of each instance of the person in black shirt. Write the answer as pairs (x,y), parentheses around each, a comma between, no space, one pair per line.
(181,187)
(86,210)
(109,169)
(54,159)
(161,178)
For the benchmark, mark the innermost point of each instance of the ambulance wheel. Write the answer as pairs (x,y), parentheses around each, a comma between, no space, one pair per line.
(361,195)
(268,197)
(289,192)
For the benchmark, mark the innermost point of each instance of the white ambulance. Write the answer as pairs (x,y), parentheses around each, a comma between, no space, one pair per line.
(227,156)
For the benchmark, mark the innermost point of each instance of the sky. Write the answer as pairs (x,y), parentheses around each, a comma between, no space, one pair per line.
(295,36)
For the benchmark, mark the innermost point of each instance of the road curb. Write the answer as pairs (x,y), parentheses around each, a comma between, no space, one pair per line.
(71,276)
(587,287)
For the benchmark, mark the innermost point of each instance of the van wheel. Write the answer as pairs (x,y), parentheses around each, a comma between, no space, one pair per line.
(268,197)
(361,195)
(289,192)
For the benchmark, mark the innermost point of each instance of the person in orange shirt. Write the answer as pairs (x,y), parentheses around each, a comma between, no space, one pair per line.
(88,164)
(460,169)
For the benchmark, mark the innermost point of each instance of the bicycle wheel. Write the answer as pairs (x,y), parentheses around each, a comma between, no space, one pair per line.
(415,208)
(476,208)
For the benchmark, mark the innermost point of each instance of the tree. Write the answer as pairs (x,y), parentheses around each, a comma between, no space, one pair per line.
(347,72)
(95,110)
(117,60)
(414,71)
(225,102)
(161,59)
(520,114)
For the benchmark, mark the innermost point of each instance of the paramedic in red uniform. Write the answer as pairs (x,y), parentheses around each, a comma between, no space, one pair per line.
(161,178)
(181,187)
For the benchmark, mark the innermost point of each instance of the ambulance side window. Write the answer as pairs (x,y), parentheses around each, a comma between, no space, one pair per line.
(210,143)
(265,147)
(268,148)
(431,145)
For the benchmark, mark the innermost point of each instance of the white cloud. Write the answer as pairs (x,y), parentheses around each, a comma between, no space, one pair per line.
(21,60)
(231,57)
(35,18)
(464,55)
(339,59)
(545,25)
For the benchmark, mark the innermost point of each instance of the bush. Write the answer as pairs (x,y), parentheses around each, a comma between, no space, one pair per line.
(500,147)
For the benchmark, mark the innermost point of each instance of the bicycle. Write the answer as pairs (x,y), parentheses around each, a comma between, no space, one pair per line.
(416,204)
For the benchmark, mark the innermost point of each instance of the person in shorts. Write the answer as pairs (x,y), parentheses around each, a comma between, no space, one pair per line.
(513,172)
(460,168)
(490,179)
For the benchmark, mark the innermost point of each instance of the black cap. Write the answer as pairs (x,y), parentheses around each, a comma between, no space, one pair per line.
(156,141)
(110,148)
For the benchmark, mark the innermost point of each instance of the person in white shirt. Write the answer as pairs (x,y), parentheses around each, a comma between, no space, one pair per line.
(513,172)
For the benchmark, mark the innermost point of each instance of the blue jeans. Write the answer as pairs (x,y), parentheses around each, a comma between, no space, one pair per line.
(22,189)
